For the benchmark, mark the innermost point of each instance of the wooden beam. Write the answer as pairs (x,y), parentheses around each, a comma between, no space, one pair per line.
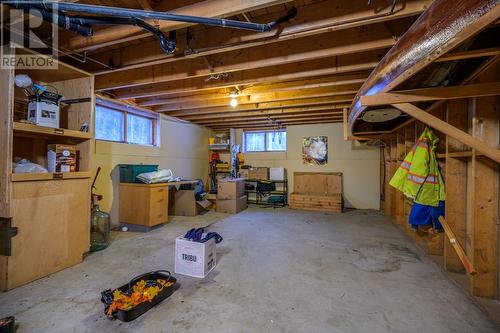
(259,76)
(223,99)
(207,8)
(313,19)
(288,123)
(278,120)
(432,94)
(469,268)
(264,105)
(450,130)
(231,114)
(469,54)
(489,62)
(345,42)
(327,113)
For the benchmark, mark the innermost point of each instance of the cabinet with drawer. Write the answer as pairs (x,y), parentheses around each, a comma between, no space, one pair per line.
(143,204)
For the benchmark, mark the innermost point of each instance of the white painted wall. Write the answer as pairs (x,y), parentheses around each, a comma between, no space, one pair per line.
(183,149)
(360,166)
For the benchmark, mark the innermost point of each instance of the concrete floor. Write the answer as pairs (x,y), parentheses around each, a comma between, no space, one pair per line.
(279,271)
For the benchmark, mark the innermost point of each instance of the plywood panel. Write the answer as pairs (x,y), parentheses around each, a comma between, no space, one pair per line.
(60,241)
(317,182)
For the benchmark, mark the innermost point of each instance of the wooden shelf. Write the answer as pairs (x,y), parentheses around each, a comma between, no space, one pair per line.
(458,154)
(24,129)
(26,177)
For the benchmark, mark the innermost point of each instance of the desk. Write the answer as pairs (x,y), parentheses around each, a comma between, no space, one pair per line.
(146,204)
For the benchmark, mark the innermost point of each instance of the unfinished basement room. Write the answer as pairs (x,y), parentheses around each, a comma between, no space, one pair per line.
(240,166)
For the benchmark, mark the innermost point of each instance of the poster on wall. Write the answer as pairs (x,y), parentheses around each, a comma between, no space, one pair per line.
(315,150)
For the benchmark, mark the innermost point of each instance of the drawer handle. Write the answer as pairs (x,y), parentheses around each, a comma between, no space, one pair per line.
(161,200)
(160,215)
(57,175)
(160,190)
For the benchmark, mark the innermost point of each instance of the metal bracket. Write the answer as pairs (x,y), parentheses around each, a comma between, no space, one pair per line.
(6,234)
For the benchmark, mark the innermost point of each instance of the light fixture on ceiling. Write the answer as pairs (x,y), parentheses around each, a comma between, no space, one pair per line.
(234,95)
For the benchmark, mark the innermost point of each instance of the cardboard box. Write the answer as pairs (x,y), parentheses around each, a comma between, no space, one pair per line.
(277,174)
(61,158)
(231,206)
(258,173)
(230,188)
(185,204)
(193,258)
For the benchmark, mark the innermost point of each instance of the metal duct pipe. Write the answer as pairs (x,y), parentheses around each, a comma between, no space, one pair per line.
(167,44)
(145,14)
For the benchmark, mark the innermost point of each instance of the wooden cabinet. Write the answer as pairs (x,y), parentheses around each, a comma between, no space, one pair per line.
(143,204)
(51,211)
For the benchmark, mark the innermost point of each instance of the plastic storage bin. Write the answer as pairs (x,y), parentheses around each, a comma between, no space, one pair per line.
(129,172)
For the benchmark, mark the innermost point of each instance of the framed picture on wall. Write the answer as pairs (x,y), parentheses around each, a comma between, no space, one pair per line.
(315,150)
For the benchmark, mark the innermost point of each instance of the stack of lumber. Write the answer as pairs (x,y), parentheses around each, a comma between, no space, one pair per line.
(317,191)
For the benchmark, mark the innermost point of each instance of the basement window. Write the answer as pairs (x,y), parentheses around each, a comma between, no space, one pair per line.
(269,141)
(125,125)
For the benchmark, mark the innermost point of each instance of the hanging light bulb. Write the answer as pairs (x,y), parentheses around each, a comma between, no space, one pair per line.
(233,102)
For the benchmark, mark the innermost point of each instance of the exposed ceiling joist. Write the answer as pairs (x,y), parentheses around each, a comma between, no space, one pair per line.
(290,110)
(273,126)
(346,42)
(330,113)
(279,96)
(312,19)
(245,97)
(271,105)
(248,78)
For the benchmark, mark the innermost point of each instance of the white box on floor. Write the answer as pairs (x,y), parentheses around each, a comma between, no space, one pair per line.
(277,173)
(193,258)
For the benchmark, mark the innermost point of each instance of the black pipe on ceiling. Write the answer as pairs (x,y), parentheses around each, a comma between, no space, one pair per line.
(145,14)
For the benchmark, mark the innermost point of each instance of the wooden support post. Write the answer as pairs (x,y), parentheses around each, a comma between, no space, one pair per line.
(485,200)
(467,264)
(388,175)
(399,196)
(456,185)
(450,130)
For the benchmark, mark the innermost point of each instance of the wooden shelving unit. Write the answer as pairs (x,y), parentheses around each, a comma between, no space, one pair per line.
(51,211)
(39,132)
(256,198)
(24,177)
